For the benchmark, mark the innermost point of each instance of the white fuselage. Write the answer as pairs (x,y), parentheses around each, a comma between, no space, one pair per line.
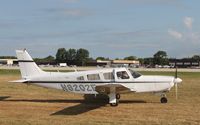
(69,82)
(110,81)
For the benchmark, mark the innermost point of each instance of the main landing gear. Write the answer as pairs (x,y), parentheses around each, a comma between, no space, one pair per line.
(117,100)
(118,96)
(114,104)
(163,98)
(113,97)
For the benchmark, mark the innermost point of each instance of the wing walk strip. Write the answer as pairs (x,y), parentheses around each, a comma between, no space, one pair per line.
(96,82)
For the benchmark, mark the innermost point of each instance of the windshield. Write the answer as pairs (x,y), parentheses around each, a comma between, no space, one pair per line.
(134,73)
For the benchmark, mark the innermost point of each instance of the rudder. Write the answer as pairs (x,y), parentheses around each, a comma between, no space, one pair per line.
(28,67)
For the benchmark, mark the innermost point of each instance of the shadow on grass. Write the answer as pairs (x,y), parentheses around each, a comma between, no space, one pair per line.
(67,101)
(4,97)
(45,100)
(79,109)
(132,101)
(84,105)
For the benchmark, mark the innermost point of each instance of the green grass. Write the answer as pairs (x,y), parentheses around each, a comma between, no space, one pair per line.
(9,72)
(31,105)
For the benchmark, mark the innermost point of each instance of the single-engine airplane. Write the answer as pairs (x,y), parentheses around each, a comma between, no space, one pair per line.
(109,81)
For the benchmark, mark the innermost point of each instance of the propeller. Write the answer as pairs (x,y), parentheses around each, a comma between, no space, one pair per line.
(176,87)
(176,73)
(175,78)
(176,81)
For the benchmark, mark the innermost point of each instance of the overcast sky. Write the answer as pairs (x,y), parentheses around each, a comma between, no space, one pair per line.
(110,28)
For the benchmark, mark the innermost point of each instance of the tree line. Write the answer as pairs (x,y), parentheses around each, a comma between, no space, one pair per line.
(81,56)
(72,56)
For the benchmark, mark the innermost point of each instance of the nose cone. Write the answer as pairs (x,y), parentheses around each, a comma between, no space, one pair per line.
(177,80)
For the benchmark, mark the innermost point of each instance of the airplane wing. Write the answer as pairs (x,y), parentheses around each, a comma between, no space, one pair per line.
(105,89)
(20,81)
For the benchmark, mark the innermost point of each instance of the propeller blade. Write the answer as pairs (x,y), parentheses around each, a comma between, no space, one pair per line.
(176,89)
(176,73)
(176,83)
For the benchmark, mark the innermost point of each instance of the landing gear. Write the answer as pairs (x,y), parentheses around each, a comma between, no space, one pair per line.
(163,100)
(113,97)
(114,104)
(118,96)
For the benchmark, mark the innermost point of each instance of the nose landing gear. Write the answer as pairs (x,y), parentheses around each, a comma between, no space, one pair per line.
(163,98)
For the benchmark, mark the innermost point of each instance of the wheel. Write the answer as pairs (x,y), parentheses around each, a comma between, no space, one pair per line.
(163,100)
(118,96)
(113,104)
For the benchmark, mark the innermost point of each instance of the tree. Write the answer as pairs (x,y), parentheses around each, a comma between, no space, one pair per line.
(8,57)
(148,61)
(160,58)
(196,57)
(82,56)
(130,58)
(141,60)
(102,58)
(49,58)
(117,58)
(61,55)
(71,56)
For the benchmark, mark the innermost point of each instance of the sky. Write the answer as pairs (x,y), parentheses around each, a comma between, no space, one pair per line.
(109,28)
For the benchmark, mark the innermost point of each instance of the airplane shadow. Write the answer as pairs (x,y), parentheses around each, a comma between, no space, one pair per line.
(4,97)
(79,109)
(44,100)
(132,101)
(86,107)
(86,102)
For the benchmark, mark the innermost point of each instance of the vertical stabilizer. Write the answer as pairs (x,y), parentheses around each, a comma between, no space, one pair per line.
(28,67)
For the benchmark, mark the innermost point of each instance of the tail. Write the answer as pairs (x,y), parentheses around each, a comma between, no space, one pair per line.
(28,67)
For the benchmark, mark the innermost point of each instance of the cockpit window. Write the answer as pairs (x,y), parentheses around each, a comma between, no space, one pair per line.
(122,75)
(134,74)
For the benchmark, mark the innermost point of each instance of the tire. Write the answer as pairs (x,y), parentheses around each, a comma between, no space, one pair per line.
(118,96)
(113,104)
(163,100)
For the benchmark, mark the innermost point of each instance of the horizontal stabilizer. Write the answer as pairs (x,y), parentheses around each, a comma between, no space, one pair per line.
(20,81)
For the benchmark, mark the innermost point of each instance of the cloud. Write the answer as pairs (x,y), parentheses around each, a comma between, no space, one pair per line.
(175,3)
(188,36)
(188,22)
(133,45)
(71,1)
(77,12)
(175,34)
(154,1)
(138,33)
(193,37)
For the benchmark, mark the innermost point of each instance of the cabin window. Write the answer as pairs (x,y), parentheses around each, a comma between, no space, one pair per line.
(108,76)
(122,75)
(134,73)
(80,78)
(93,77)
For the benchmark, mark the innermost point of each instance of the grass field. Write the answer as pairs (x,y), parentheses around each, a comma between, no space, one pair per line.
(30,105)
